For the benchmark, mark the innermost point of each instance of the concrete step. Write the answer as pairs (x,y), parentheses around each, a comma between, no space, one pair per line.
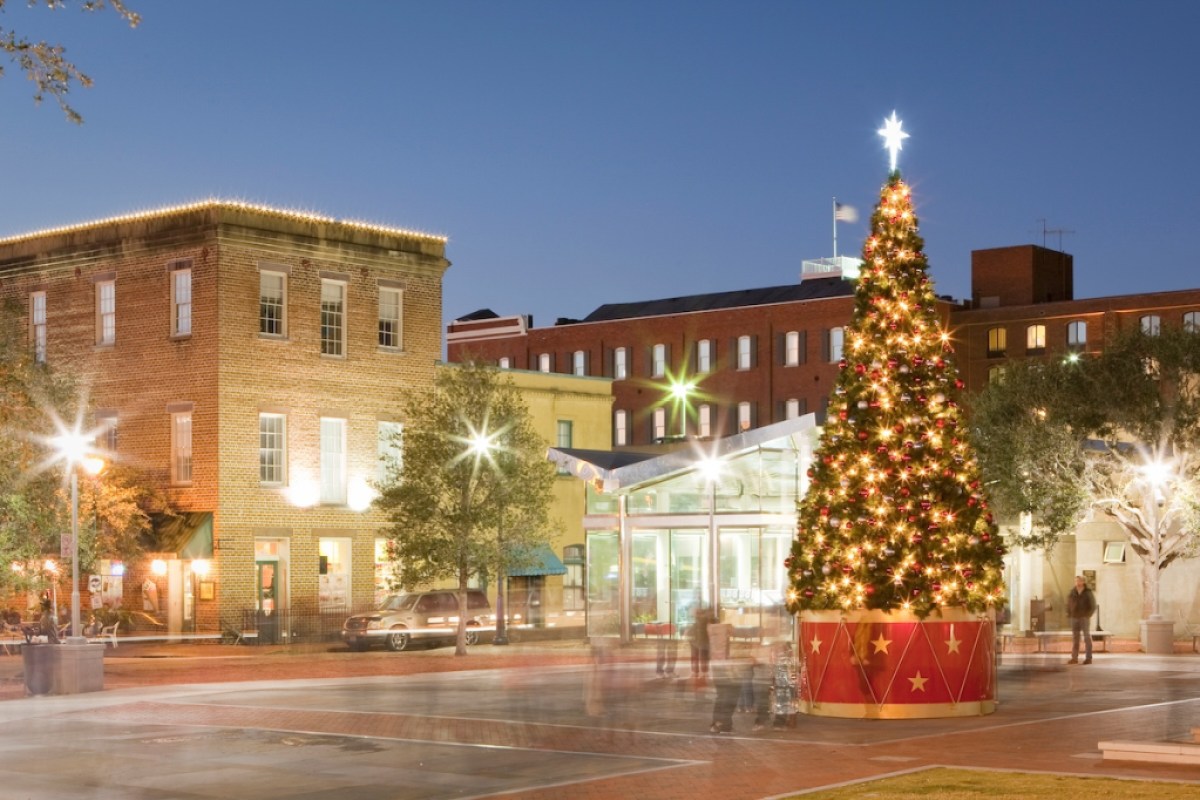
(1158,752)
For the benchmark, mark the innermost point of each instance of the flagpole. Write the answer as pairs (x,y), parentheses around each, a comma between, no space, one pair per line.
(835,230)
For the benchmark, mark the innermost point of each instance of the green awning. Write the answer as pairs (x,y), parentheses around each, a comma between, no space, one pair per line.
(541,561)
(188,535)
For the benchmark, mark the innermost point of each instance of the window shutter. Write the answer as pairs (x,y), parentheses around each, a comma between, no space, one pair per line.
(609,367)
(825,345)
(780,348)
(803,347)
(754,351)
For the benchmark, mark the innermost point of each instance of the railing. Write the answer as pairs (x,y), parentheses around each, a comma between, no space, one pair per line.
(292,626)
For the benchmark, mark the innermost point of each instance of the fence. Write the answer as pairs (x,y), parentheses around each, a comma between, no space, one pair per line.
(293,626)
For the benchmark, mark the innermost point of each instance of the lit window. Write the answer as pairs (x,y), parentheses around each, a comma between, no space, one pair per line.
(545,362)
(106,421)
(272,303)
(391,318)
(37,325)
(1151,324)
(333,318)
(1077,334)
(272,448)
(704,356)
(745,352)
(660,424)
(997,341)
(1191,322)
(333,461)
(181,447)
(1114,552)
(791,348)
(837,339)
(181,299)
(1035,338)
(791,409)
(621,428)
(659,361)
(704,421)
(333,575)
(390,450)
(504,362)
(745,414)
(579,362)
(106,312)
(996,374)
(620,363)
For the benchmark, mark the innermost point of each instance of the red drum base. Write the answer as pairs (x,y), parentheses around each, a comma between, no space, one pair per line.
(893,665)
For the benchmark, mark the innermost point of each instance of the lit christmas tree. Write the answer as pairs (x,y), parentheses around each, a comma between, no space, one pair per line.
(894,517)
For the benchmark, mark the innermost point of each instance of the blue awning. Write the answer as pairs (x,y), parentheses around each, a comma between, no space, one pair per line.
(541,561)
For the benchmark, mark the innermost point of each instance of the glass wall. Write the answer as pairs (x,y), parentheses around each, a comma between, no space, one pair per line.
(603,584)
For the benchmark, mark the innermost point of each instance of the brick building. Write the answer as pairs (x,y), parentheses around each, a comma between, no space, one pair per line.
(248,361)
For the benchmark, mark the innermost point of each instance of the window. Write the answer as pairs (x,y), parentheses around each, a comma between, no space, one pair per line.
(333,461)
(545,362)
(37,325)
(996,374)
(106,422)
(791,348)
(181,299)
(1151,324)
(504,363)
(745,413)
(704,421)
(791,409)
(1191,322)
(563,437)
(704,356)
(1035,338)
(620,363)
(391,318)
(621,428)
(272,303)
(997,341)
(1114,552)
(837,339)
(333,318)
(333,575)
(660,424)
(579,362)
(106,312)
(745,352)
(573,585)
(658,361)
(181,447)
(272,448)
(1076,335)
(390,450)
(386,569)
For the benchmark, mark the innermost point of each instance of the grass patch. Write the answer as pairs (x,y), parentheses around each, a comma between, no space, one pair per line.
(960,784)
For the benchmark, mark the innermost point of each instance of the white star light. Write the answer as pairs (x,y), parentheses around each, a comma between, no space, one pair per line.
(892,137)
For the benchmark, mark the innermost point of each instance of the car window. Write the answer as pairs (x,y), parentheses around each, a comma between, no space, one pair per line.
(476,600)
(398,602)
(427,603)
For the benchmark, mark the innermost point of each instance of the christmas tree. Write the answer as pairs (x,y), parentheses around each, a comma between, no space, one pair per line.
(894,517)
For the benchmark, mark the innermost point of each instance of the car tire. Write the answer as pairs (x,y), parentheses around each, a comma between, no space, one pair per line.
(397,640)
(472,637)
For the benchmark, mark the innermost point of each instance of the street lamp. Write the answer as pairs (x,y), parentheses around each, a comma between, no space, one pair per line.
(680,391)
(75,450)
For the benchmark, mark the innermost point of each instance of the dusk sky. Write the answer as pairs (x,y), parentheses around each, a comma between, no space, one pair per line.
(579,153)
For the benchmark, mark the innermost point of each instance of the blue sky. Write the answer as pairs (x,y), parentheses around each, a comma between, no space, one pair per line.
(577,153)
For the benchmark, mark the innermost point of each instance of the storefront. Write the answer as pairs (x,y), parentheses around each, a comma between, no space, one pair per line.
(705,526)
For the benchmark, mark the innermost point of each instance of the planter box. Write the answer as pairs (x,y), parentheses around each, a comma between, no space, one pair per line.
(892,665)
(63,668)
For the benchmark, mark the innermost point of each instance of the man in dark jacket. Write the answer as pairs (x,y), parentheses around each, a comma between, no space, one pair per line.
(1081,604)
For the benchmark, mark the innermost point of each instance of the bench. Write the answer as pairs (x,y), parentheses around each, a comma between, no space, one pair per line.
(1046,636)
(1157,752)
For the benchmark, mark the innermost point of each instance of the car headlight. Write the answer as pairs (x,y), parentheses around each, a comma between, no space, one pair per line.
(374,624)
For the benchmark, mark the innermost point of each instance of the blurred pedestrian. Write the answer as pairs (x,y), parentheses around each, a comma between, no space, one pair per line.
(1081,605)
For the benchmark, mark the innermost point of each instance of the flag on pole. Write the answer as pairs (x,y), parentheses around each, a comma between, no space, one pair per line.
(844,213)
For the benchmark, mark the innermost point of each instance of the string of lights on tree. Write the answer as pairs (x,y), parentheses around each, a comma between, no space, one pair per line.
(894,517)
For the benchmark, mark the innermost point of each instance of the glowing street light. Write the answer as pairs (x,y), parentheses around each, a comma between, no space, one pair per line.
(680,391)
(76,451)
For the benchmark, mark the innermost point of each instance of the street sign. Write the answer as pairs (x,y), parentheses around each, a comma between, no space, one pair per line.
(94,582)
(65,545)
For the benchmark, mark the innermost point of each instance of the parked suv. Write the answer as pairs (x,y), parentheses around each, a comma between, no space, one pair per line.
(431,615)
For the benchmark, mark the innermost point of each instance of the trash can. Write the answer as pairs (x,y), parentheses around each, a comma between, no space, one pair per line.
(268,628)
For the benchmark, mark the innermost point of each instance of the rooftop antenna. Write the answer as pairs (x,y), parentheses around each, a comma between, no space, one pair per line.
(1053,231)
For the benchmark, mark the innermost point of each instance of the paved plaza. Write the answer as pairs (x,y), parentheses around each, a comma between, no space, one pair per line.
(523,731)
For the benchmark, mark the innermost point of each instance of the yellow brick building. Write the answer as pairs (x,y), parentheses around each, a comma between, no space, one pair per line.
(250,362)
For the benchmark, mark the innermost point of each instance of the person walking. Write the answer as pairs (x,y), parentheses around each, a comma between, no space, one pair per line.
(1081,604)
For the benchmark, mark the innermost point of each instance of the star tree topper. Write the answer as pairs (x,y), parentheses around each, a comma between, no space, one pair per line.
(892,137)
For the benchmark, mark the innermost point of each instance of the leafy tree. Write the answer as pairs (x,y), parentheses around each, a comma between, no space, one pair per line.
(895,517)
(473,487)
(36,405)
(45,64)
(1119,431)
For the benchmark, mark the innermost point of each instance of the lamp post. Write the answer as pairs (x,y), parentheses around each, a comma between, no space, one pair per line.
(480,445)
(680,391)
(74,448)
